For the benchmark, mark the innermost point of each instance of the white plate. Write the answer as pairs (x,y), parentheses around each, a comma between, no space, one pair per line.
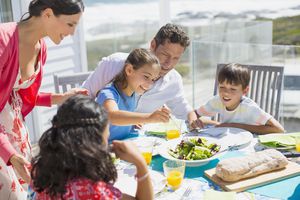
(156,140)
(229,136)
(157,127)
(279,148)
(127,183)
(171,144)
(162,127)
(158,181)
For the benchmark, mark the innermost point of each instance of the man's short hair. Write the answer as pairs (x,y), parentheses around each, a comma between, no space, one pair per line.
(172,33)
(235,74)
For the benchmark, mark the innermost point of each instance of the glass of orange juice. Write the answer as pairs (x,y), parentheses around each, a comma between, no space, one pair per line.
(297,139)
(146,148)
(173,129)
(174,172)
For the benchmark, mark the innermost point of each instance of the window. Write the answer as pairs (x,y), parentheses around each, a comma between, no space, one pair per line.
(5,11)
(292,82)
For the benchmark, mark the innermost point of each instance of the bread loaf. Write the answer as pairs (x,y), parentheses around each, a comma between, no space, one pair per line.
(234,169)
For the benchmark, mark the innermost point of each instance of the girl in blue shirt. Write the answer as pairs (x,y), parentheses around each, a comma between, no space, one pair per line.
(119,98)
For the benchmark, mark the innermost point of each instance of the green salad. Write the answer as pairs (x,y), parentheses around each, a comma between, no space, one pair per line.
(194,149)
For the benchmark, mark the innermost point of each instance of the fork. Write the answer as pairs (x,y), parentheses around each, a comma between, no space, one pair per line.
(230,148)
(186,193)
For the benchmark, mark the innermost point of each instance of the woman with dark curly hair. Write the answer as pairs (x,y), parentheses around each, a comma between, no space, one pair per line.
(73,162)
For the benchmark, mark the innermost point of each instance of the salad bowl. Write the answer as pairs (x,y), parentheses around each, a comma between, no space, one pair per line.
(201,156)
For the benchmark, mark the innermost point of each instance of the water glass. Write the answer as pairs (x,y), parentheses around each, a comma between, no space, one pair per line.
(146,148)
(174,172)
(173,129)
(297,139)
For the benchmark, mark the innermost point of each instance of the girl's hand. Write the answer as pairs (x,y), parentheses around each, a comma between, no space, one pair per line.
(138,126)
(160,115)
(128,151)
(21,165)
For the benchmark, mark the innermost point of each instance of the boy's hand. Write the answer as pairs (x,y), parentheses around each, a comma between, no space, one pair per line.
(196,124)
(225,125)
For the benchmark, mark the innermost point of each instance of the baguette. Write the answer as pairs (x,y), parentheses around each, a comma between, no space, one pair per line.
(234,169)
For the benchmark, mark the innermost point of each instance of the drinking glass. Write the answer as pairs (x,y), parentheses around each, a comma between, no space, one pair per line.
(174,172)
(297,139)
(146,147)
(173,129)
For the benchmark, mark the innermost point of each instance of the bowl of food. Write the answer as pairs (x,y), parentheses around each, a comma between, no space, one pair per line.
(194,151)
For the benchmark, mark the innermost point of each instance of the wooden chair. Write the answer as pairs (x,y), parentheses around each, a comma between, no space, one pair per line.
(265,86)
(67,82)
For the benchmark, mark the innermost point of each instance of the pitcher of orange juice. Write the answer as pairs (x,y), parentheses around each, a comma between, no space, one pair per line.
(174,172)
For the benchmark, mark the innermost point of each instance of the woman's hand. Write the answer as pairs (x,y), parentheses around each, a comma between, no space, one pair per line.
(128,151)
(21,165)
(73,92)
(61,98)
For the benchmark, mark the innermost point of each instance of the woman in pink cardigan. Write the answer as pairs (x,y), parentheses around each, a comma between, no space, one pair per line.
(22,57)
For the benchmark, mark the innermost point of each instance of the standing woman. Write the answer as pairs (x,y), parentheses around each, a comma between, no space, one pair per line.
(22,57)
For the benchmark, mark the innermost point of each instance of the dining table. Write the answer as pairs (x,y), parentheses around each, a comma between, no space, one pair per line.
(199,185)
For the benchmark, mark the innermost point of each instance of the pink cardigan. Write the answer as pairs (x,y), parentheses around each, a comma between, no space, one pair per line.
(9,66)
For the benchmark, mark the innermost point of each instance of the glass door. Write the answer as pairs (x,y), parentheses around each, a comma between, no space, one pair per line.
(6,11)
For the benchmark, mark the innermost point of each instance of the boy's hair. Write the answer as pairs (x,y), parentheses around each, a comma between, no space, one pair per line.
(172,33)
(234,73)
(73,147)
(137,58)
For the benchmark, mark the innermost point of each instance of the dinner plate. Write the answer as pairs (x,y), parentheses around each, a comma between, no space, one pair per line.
(156,141)
(278,148)
(228,136)
(158,181)
(127,183)
(284,138)
(171,144)
(159,129)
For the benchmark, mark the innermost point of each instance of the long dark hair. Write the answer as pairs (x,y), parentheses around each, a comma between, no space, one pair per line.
(137,58)
(59,7)
(73,147)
